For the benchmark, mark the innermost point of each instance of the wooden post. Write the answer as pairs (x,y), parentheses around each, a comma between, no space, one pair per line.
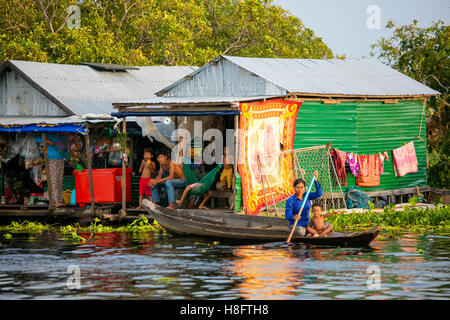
(264,188)
(236,137)
(236,159)
(268,186)
(89,165)
(124,172)
(47,171)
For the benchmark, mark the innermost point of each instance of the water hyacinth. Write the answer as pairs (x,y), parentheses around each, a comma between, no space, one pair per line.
(408,218)
(71,232)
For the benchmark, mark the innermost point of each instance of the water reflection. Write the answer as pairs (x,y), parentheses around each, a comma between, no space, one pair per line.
(121,265)
(269,272)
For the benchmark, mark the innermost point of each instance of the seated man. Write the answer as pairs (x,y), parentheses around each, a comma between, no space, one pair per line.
(171,176)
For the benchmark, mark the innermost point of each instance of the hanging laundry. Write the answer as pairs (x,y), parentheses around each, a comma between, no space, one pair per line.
(383,156)
(369,170)
(353,163)
(405,159)
(339,159)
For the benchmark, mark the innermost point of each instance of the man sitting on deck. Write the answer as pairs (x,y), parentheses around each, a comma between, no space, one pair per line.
(171,176)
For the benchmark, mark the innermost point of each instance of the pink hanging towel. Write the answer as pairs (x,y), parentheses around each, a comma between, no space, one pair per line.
(405,160)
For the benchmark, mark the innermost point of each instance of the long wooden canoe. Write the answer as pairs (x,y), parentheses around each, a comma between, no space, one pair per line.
(245,228)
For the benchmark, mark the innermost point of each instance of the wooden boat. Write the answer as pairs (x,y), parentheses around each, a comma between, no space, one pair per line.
(244,228)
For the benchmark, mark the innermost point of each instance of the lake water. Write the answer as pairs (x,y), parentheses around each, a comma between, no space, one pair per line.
(121,265)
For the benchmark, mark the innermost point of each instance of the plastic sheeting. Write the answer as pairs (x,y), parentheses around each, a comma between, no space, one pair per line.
(159,128)
(74,128)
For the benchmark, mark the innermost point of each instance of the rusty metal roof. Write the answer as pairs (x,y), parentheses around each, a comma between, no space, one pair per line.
(81,89)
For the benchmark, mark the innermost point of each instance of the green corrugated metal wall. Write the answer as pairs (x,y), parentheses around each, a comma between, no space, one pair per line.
(366,128)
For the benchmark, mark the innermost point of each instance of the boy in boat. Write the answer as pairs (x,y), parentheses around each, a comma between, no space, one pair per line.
(317,226)
(147,170)
(171,176)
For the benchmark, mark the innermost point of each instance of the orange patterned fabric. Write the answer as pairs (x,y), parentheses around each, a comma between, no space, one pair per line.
(369,170)
(265,128)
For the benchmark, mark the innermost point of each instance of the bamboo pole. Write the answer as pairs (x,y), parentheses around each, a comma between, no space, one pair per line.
(89,165)
(124,171)
(47,171)
(268,185)
(264,188)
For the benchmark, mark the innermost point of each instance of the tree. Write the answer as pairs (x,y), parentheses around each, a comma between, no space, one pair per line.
(423,54)
(153,32)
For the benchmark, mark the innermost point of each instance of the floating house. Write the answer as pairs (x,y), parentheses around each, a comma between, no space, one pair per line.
(45,97)
(360,107)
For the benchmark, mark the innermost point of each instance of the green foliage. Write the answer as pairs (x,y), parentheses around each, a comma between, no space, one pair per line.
(26,227)
(142,225)
(408,218)
(152,32)
(423,54)
(413,201)
(122,139)
(71,232)
(97,227)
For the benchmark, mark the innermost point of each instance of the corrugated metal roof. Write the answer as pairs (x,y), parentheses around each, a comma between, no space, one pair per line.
(358,77)
(83,89)
(366,77)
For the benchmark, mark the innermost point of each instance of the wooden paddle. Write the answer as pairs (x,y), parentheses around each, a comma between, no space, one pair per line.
(305,197)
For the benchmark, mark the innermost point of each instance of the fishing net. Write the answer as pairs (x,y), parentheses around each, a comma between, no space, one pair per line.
(303,163)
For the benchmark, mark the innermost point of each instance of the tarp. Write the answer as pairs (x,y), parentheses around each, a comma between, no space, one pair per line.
(44,127)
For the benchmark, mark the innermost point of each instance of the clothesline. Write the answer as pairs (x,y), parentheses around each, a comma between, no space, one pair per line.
(368,168)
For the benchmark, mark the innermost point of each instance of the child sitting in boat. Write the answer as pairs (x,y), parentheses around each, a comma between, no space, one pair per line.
(317,226)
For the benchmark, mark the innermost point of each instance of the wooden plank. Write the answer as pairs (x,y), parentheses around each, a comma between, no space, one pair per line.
(23,213)
(124,171)
(89,165)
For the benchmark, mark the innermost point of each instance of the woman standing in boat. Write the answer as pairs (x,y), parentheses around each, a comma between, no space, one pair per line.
(294,203)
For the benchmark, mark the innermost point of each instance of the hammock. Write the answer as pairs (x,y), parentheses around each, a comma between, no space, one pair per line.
(206,181)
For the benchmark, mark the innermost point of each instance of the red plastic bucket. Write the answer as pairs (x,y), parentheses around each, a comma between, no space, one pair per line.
(107,185)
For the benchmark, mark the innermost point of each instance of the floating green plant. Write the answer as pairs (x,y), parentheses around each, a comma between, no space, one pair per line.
(406,219)
(26,226)
(97,227)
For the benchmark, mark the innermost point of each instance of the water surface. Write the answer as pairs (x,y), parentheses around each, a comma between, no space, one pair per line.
(121,265)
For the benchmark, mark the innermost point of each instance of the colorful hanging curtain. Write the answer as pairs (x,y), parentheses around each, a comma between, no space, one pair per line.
(264,127)
(405,160)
